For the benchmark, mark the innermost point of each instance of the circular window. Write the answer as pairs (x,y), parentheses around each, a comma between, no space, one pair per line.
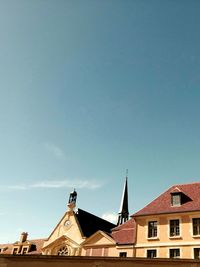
(63,251)
(67,223)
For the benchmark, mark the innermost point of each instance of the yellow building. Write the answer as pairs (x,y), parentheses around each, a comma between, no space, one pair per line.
(80,233)
(169,227)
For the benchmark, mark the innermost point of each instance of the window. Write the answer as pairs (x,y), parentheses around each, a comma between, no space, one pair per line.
(174,253)
(176,199)
(15,250)
(63,251)
(152,229)
(196,226)
(174,228)
(196,253)
(25,250)
(123,254)
(151,253)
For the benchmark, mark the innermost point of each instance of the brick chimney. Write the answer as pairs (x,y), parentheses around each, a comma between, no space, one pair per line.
(23,237)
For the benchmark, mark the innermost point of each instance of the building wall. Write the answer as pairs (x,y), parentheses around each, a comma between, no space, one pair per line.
(186,242)
(55,261)
(72,230)
(110,251)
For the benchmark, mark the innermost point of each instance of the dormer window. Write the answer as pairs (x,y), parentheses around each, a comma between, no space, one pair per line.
(176,199)
(15,251)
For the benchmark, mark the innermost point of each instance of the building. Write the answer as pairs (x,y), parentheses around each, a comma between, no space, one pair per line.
(80,233)
(169,227)
(73,230)
(23,246)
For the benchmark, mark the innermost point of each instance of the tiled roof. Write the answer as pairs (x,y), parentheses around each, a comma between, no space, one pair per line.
(125,233)
(90,223)
(36,246)
(7,248)
(162,204)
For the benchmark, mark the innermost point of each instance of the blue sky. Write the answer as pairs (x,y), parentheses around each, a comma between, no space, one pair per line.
(87,90)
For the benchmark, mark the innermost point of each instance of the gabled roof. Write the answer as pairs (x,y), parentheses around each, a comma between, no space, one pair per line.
(36,246)
(90,223)
(162,204)
(100,234)
(7,248)
(125,233)
(59,240)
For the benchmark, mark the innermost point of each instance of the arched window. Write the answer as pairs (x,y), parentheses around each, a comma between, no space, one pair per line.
(63,251)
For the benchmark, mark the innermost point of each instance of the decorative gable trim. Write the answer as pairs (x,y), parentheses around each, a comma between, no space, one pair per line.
(110,239)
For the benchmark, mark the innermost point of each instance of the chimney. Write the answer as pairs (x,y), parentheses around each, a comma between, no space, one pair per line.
(23,237)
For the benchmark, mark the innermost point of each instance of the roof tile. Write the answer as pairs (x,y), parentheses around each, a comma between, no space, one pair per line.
(162,204)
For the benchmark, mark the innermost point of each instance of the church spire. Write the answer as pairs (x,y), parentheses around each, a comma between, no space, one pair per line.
(123,212)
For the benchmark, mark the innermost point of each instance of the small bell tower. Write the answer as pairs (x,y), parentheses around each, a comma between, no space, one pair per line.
(72,200)
(123,212)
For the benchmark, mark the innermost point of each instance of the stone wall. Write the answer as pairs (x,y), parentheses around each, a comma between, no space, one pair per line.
(55,261)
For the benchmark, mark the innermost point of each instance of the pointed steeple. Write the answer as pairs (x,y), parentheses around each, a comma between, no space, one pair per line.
(123,212)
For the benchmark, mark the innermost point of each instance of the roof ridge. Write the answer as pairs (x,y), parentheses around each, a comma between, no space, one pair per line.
(186,184)
(95,216)
(153,200)
(190,203)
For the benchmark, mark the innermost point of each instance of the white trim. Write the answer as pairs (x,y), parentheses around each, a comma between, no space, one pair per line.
(191,225)
(192,251)
(153,248)
(180,227)
(16,247)
(24,247)
(125,247)
(153,219)
(102,234)
(167,244)
(168,254)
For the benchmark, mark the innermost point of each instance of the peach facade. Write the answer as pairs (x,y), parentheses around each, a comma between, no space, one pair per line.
(66,234)
(163,242)
(67,239)
(100,244)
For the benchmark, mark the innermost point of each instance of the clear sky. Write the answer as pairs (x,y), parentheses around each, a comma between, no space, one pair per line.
(88,89)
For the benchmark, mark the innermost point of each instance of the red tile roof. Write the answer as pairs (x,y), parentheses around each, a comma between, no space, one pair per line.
(39,244)
(125,233)
(7,248)
(162,204)
(36,244)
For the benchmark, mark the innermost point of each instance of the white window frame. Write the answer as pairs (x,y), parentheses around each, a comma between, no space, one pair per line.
(175,248)
(24,247)
(152,249)
(147,229)
(180,227)
(17,250)
(193,251)
(180,198)
(191,218)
